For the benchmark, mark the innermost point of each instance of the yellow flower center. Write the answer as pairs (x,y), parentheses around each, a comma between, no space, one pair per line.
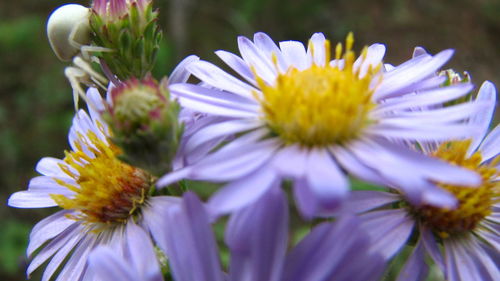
(474,203)
(106,190)
(321,105)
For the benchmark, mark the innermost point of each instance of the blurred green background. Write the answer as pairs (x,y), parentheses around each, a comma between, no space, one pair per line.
(36,105)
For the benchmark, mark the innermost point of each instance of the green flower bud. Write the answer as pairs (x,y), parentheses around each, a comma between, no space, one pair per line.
(145,124)
(454,78)
(130,29)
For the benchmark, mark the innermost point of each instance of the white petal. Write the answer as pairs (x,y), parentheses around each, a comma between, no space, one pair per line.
(49,166)
(256,59)
(411,72)
(418,51)
(218,78)
(47,229)
(491,144)
(231,151)
(433,168)
(410,171)
(67,239)
(31,199)
(405,130)
(61,255)
(443,115)
(228,164)
(75,268)
(238,65)
(295,55)
(214,109)
(49,185)
(374,56)
(268,47)
(212,101)
(97,104)
(423,98)
(355,167)
(219,130)
(429,83)
(486,93)
(316,49)
(180,73)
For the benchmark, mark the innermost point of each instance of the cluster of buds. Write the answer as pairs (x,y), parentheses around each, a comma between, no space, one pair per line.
(130,29)
(145,123)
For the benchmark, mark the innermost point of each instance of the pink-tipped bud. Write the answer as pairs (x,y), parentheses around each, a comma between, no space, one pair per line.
(117,8)
(100,6)
(145,123)
(129,28)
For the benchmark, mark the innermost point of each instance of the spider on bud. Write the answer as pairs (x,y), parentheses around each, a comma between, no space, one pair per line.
(69,34)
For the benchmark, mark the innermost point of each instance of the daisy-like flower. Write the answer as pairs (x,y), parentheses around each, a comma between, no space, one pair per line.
(299,115)
(99,194)
(463,240)
(139,263)
(257,239)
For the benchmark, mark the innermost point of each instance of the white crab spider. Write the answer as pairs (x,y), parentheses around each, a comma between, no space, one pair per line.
(68,31)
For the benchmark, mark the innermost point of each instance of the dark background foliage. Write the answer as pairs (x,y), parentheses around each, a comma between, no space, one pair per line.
(36,104)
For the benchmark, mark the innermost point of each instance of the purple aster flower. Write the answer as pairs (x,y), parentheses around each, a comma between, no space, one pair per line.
(99,194)
(463,238)
(299,115)
(257,237)
(139,264)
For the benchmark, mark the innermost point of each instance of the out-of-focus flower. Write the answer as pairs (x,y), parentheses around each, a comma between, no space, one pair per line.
(462,239)
(99,194)
(300,115)
(129,28)
(139,263)
(257,239)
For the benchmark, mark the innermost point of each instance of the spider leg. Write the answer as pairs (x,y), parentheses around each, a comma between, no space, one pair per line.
(98,83)
(85,66)
(79,35)
(76,76)
(86,51)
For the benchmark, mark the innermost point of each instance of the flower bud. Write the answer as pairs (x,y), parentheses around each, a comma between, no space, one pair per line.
(145,124)
(130,29)
(454,78)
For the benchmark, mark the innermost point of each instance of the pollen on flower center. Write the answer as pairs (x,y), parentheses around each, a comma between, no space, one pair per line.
(474,203)
(106,190)
(321,105)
